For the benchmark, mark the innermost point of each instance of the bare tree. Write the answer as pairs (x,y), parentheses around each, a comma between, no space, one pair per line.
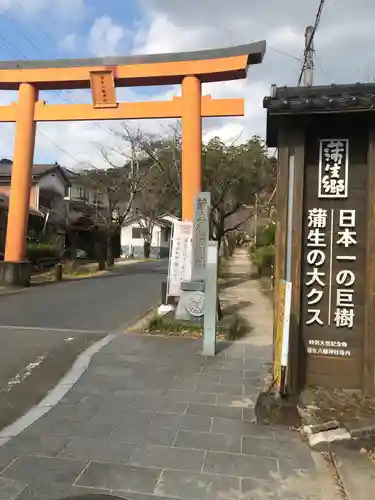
(128,174)
(159,198)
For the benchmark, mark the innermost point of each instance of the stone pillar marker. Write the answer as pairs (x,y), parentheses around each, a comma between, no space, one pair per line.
(191,303)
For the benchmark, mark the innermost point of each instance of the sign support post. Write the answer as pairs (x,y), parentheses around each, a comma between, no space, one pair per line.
(210,301)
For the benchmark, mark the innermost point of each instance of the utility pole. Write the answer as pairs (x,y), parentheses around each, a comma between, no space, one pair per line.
(308,70)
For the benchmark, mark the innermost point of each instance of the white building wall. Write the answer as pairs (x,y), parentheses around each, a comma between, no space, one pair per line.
(127,240)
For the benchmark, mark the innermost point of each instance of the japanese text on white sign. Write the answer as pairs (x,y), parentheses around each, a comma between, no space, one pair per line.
(333,168)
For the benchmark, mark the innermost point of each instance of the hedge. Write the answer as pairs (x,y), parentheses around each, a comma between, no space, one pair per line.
(42,251)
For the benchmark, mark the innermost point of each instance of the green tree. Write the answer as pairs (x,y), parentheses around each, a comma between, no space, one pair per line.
(235,175)
(134,184)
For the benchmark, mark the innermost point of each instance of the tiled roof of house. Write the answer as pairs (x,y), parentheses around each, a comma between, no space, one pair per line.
(159,220)
(75,177)
(38,171)
(322,98)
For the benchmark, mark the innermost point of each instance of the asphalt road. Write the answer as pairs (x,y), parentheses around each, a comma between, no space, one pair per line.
(103,303)
(44,329)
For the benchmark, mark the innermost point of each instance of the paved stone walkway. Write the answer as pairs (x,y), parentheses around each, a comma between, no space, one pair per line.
(242,295)
(154,419)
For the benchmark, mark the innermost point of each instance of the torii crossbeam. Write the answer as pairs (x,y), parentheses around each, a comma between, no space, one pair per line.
(103,76)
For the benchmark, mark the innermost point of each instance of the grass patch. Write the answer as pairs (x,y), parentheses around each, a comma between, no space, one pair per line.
(76,270)
(71,270)
(229,328)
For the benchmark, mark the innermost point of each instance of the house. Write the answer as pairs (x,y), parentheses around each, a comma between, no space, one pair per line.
(86,210)
(82,202)
(49,186)
(132,239)
(36,222)
(80,190)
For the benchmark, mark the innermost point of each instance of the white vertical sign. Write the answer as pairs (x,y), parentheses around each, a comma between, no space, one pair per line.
(333,168)
(180,257)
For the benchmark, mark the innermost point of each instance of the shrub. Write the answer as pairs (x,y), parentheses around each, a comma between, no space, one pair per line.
(42,251)
(263,258)
(266,235)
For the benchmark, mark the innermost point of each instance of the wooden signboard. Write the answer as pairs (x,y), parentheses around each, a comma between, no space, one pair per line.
(334,257)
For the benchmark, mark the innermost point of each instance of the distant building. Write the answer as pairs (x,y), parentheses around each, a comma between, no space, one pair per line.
(132,237)
(49,186)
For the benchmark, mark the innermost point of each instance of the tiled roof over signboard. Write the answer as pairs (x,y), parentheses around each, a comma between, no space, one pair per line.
(323,99)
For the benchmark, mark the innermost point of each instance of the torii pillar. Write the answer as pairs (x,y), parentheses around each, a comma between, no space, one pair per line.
(191,160)
(16,267)
(103,76)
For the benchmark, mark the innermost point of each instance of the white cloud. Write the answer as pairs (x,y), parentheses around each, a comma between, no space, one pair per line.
(68,43)
(70,9)
(285,37)
(105,37)
(160,35)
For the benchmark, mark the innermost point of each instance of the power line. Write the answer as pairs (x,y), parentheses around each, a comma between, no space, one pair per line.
(65,96)
(311,39)
(10,48)
(42,134)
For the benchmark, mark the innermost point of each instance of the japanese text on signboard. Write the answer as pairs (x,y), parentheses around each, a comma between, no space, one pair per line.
(180,258)
(333,168)
(200,235)
(329,249)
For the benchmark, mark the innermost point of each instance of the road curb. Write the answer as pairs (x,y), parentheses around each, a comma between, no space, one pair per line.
(106,272)
(13,292)
(340,478)
(55,395)
(125,327)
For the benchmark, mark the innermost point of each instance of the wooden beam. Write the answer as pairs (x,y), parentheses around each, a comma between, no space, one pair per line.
(222,107)
(161,73)
(8,113)
(123,111)
(134,110)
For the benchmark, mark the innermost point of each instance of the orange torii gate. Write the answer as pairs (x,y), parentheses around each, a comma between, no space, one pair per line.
(103,75)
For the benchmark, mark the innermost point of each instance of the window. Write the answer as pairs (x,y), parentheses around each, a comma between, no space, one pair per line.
(136,233)
(45,201)
(98,199)
(67,192)
(166,234)
(83,194)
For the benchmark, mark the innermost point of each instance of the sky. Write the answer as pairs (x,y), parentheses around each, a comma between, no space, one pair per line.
(51,29)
